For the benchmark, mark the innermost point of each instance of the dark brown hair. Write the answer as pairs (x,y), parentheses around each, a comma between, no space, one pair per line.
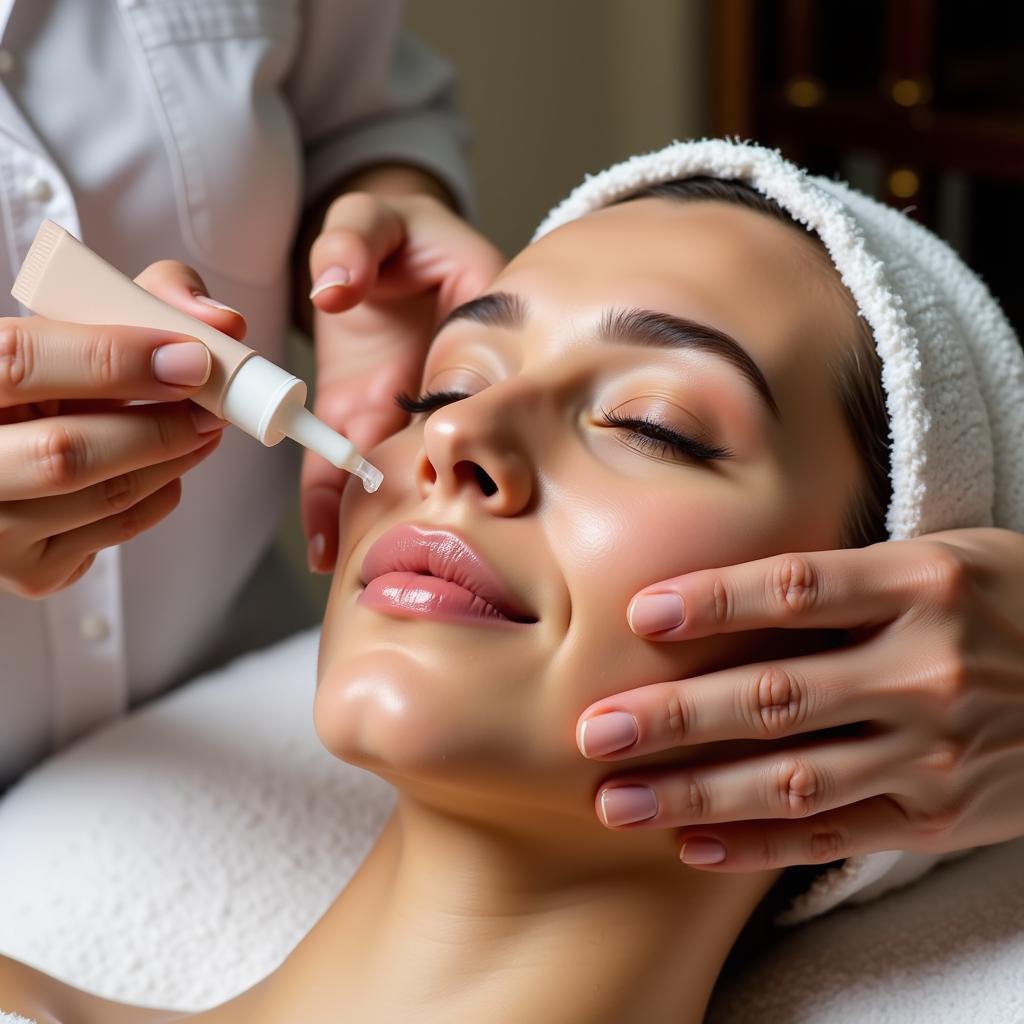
(858,373)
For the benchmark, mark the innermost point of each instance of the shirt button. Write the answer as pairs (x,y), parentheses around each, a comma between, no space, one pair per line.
(38,188)
(6,62)
(93,627)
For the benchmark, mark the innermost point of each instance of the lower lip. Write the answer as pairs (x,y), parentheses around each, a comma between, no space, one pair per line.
(411,595)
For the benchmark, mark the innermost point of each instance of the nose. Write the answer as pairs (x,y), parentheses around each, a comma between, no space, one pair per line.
(474,449)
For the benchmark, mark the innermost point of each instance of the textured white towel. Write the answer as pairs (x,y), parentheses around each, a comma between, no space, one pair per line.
(175,857)
(13,1018)
(952,370)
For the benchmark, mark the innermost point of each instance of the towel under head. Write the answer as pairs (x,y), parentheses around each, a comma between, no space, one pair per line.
(952,372)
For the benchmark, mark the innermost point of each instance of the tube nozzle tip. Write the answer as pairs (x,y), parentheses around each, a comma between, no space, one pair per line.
(371,476)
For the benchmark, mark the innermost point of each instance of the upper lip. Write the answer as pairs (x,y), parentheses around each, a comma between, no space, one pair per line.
(442,553)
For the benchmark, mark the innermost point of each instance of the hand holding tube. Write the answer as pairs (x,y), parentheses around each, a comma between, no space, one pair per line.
(80,470)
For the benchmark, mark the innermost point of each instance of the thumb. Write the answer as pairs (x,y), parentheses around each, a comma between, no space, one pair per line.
(182,287)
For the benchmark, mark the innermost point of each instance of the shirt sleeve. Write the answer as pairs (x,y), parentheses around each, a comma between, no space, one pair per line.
(364,91)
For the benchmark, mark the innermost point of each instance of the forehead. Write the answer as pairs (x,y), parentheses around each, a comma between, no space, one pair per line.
(761,281)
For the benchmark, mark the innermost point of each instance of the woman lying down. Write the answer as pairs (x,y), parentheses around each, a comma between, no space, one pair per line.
(690,358)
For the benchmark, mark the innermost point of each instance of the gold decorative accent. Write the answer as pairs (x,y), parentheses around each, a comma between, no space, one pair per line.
(804,92)
(904,183)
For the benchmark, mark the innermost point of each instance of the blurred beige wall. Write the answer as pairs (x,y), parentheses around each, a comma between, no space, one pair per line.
(552,89)
(557,88)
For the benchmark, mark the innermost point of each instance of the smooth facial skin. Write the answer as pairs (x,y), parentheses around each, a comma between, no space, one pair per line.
(480,718)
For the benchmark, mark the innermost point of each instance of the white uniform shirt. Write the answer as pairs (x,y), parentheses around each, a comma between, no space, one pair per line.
(192,130)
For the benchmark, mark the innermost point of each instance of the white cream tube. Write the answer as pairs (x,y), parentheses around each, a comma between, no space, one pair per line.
(62,279)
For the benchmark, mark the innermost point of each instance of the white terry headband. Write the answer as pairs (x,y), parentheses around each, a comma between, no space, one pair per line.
(952,371)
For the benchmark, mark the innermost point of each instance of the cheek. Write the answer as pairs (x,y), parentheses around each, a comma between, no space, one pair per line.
(609,551)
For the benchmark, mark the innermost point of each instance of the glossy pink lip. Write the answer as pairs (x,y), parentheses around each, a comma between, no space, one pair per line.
(413,571)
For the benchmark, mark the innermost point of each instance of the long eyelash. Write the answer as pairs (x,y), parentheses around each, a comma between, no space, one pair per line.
(426,401)
(657,439)
(652,437)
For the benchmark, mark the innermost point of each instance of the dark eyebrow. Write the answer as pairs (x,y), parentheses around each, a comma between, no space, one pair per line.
(641,326)
(498,309)
(647,327)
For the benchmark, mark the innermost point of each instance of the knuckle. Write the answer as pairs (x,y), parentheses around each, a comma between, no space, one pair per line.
(103,359)
(793,584)
(765,849)
(948,680)
(796,788)
(777,703)
(15,358)
(946,758)
(693,801)
(169,429)
(946,577)
(128,524)
(826,844)
(722,602)
(58,457)
(936,826)
(121,492)
(679,714)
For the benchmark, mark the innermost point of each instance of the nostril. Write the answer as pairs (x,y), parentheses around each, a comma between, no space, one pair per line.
(487,485)
(466,471)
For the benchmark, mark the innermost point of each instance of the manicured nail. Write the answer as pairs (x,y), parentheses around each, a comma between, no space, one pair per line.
(315,551)
(205,421)
(702,850)
(604,733)
(207,301)
(622,805)
(182,362)
(332,277)
(654,613)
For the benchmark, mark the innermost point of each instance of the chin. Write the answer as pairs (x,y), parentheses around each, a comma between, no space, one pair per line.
(471,745)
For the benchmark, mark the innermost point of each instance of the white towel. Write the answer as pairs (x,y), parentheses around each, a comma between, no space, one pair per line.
(176,856)
(13,1018)
(952,370)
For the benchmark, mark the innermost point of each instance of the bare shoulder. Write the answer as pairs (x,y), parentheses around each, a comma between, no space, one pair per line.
(20,990)
(42,998)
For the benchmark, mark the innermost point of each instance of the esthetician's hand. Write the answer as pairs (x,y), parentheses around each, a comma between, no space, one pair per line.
(385,272)
(934,668)
(79,469)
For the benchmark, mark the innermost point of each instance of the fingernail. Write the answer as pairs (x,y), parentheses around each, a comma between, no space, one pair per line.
(182,362)
(702,850)
(315,551)
(205,421)
(332,277)
(654,613)
(604,733)
(207,301)
(622,805)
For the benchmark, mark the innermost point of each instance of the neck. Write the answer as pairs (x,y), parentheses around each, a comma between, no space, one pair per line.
(448,919)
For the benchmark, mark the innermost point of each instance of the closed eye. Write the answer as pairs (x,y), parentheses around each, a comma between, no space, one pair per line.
(427,401)
(654,438)
(649,436)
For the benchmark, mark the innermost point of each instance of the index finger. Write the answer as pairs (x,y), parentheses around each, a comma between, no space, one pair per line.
(811,590)
(359,232)
(43,359)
